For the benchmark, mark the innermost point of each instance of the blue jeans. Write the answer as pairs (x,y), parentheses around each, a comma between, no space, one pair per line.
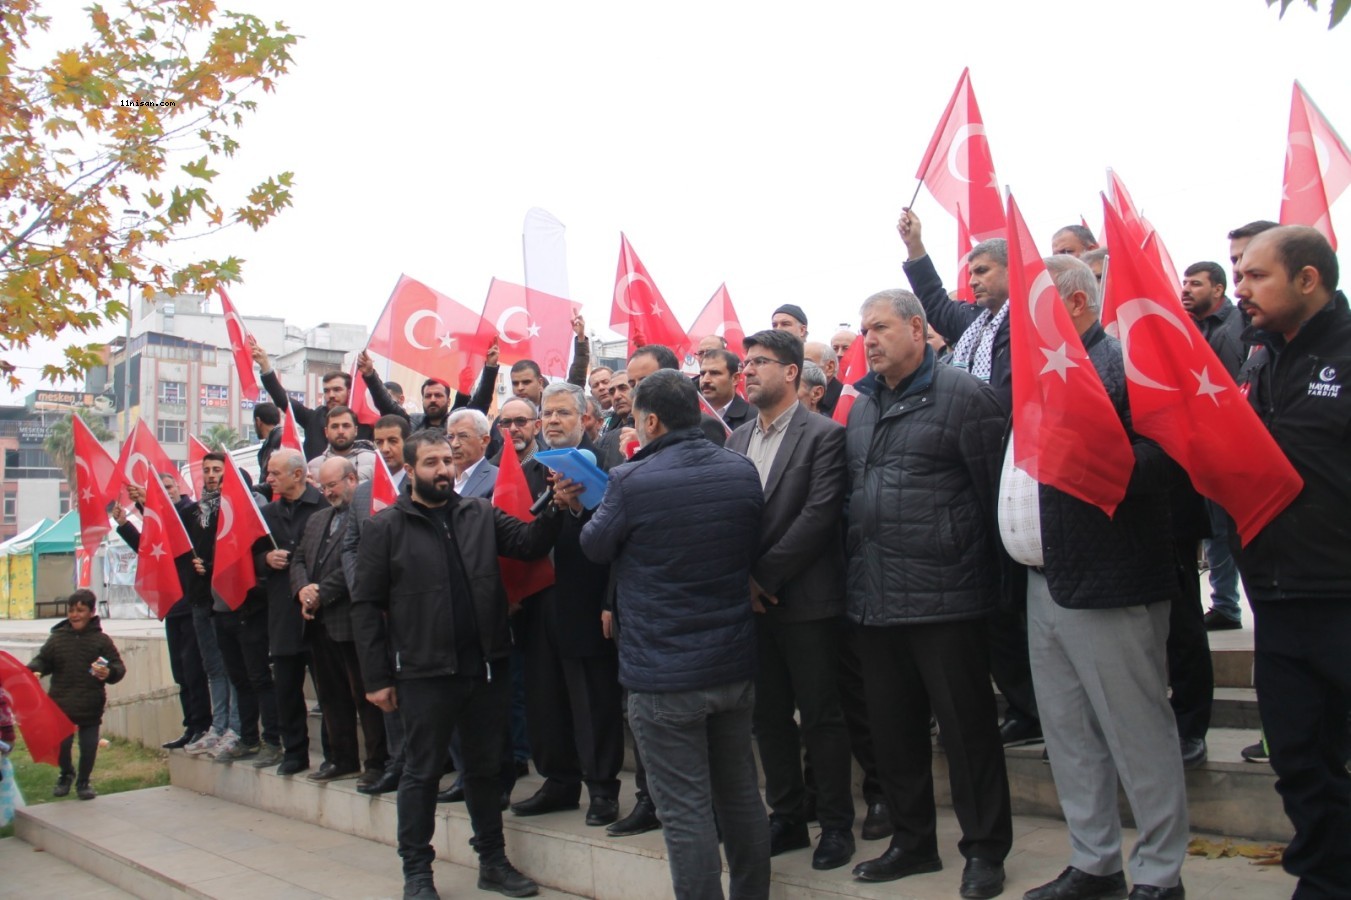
(697,749)
(224,703)
(1223,570)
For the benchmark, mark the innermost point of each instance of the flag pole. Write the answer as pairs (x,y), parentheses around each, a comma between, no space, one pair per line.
(918,185)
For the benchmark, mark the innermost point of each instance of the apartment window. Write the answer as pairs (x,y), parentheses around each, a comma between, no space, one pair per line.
(215,395)
(171,431)
(65,500)
(11,515)
(173,392)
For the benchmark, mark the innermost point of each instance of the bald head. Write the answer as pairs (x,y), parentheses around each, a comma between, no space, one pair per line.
(338,481)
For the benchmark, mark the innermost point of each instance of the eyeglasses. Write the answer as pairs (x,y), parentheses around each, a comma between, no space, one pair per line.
(518,422)
(758,361)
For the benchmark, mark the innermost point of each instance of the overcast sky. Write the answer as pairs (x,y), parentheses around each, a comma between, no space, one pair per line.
(770,146)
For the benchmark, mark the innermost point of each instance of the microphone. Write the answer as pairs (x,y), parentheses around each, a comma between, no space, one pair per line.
(547,497)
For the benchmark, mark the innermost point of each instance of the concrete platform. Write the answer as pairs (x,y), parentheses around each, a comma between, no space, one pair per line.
(560,851)
(27,871)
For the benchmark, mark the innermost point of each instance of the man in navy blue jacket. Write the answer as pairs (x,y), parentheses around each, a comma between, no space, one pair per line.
(681,526)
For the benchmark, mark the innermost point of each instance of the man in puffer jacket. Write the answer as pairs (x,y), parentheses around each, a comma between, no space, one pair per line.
(923,454)
(681,526)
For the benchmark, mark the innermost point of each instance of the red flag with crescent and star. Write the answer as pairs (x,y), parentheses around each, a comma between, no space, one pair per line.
(163,539)
(383,492)
(511,494)
(1182,397)
(431,334)
(1066,432)
(528,324)
(965,292)
(142,459)
(239,525)
(290,436)
(718,317)
(239,346)
(1140,234)
(638,309)
(96,484)
(197,452)
(1317,167)
(958,168)
(853,367)
(41,722)
(360,399)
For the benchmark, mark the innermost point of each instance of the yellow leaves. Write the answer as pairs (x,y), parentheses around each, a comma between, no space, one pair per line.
(72,68)
(1256,854)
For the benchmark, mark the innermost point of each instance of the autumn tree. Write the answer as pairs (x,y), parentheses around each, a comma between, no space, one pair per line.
(1337,9)
(136,116)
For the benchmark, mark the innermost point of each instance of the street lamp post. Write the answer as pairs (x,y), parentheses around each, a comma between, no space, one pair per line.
(130,219)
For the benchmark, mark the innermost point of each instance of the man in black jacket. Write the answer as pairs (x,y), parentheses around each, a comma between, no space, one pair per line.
(437,403)
(1295,569)
(337,392)
(718,371)
(1098,593)
(430,620)
(923,457)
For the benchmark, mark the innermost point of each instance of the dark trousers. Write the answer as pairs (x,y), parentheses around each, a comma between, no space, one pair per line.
(797,667)
(394,742)
(288,676)
(185,663)
(1302,671)
(431,708)
(1010,664)
(89,751)
(573,713)
(854,703)
(243,648)
(1191,674)
(911,671)
(342,700)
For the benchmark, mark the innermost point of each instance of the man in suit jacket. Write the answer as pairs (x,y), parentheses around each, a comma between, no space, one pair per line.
(797,587)
(718,371)
(318,582)
(469,432)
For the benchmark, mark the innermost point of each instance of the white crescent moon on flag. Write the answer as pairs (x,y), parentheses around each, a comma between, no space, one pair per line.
(501,323)
(721,330)
(149,515)
(1306,139)
(131,466)
(1044,323)
(964,134)
(227,519)
(622,290)
(81,464)
(413,320)
(1127,315)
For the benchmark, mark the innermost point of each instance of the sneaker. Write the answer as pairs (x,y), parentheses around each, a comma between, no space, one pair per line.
(268,755)
(63,784)
(227,741)
(1258,752)
(204,744)
(85,791)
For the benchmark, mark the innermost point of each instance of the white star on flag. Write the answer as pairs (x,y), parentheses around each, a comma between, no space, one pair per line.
(156,550)
(656,310)
(1206,387)
(533,330)
(86,495)
(446,340)
(1058,361)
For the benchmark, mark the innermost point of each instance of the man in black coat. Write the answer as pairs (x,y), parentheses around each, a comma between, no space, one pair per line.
(437,402)
(718,371)
(797,587)
(337,392)
(923,453)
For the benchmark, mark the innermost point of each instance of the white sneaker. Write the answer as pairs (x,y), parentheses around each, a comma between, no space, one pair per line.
(227,742)
(204,744)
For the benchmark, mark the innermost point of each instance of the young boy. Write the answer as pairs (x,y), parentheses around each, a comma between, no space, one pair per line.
(81,659)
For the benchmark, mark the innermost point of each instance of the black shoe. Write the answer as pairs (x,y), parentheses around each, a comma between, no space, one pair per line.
(328,771)
(1017,732)
(420,888)
(1076,884)
(62,786)
(452,794)
(369,777)
(602,811)
(388,781)
(543,801)
(506,801)
(85,791)
(877,823)
(503,878)
(178,743)
(642,820)
(1218,621)
(786,835)
(1193,752)
(1150,892)
(835,849)
(896,863)
(292,766)
(1257,753)
(982,878)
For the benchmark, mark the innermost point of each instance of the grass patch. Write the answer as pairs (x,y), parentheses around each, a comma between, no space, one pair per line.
(122,766)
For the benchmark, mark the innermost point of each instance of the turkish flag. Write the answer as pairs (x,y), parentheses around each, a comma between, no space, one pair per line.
(1317,167)
(958,168)
(383,493)
(96,484)
(1066,432)
(528,324)
(239,525)
(1183,399)
(639,311)
(290,437)
(197,452)
(511,494)
(1139,233)
(853,367)
(41,722)
(143,459)
(430,333)
(360,399)
(163,538)
(239,346)
(719,317)
(965,292)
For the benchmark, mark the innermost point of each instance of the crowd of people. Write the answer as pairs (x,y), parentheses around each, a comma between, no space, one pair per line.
(757,576)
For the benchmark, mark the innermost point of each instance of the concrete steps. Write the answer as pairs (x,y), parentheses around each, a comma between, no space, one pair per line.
(29,872)
(170,842)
